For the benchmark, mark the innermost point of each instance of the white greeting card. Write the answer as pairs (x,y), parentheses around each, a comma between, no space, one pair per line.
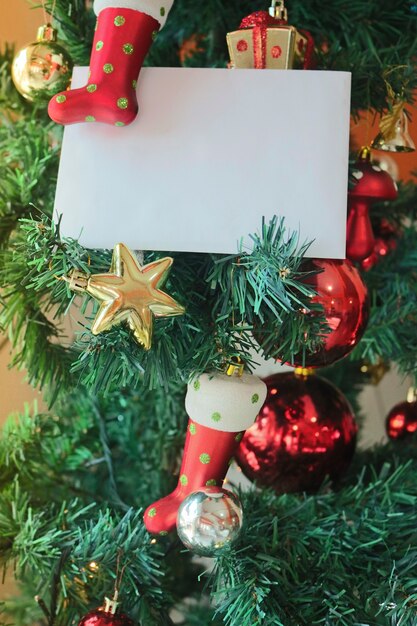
(210,153)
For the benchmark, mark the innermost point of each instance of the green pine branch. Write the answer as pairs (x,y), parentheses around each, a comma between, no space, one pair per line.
(225,298)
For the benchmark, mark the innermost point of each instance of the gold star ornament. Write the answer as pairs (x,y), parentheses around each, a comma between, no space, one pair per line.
(129,293)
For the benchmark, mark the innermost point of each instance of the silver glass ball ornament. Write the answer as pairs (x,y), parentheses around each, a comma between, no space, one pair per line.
(209,520)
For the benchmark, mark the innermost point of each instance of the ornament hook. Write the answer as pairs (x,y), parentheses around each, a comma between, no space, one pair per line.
(278,10)
(110,606)
(235,367)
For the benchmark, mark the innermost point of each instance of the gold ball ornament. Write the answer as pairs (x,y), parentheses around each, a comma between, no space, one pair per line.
(43,68)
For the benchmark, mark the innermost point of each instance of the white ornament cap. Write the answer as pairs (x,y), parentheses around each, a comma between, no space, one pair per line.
(158,10)
(226,403)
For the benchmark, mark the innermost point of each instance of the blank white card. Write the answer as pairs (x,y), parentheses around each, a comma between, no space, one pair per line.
(210,153)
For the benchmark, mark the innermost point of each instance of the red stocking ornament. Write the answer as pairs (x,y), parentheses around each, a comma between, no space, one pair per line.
(124,34)
(221,407)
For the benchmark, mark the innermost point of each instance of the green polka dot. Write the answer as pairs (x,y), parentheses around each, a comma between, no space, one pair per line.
(196,385)
(119,123)
(216,417)
(152,512)
(134,83)
(211,483)
(61,99)
(162,11)
(91,88)
(119,20)
(239,437)
(163,533)
(123,103)
(108,68)
(183,480)
(90,118)
(255,398)
(154,34)
(205,458)
(99,45)
(128,48)
(192,428)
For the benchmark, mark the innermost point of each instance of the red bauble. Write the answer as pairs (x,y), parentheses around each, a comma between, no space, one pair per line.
(99,617)
(344,297)
(401,421)
(372,184)
(381,249)
(385,242)
(305,431)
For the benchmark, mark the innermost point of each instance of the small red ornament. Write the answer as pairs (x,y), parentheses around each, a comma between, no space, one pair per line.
(385,242)
(344,298)
(305,431)
(401,421)
(372,184)
(106,616)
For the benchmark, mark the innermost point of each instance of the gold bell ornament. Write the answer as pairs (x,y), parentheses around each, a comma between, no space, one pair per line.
(393,133)
(43,68)
(265,40)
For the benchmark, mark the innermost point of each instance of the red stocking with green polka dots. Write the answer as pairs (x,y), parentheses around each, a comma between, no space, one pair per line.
(206,459)
(122,39)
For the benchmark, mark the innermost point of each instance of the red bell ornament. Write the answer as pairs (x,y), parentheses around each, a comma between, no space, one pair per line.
(372,185)
(305,431)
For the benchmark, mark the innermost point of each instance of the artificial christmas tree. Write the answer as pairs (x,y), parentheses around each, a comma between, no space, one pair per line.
(75,481)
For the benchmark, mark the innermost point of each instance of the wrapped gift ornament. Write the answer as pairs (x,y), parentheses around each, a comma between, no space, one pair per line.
(266,41)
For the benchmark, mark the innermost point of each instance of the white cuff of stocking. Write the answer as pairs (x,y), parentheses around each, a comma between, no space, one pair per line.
(158,9)
(225,403)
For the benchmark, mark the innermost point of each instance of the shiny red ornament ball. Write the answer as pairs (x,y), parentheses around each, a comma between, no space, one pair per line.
(305,431)
(344,297)
(99,617)
(401,421)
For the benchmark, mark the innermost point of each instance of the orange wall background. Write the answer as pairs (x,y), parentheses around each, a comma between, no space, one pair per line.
(18,24)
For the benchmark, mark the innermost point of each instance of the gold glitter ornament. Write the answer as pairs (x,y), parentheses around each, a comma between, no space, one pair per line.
(43,68)
(129,293)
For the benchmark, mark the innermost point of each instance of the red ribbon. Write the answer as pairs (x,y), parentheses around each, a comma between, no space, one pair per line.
(259,22)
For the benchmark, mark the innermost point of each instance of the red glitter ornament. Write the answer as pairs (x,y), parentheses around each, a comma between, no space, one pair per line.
(305,431)
(372,184)
(106,616)
(401,421)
